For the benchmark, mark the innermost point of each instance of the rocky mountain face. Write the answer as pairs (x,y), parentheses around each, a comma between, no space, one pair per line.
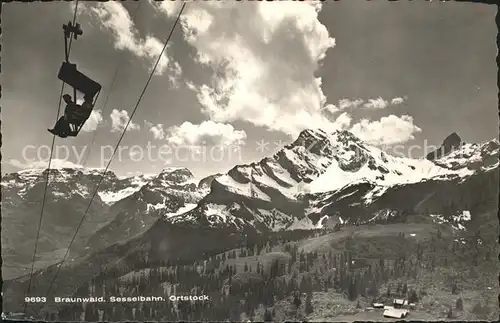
(206,183)
(127,205)
(320,178)
(336,175)
(172,192)
(67,198)
(450,143)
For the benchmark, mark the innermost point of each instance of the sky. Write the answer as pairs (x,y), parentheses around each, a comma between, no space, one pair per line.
(239,80)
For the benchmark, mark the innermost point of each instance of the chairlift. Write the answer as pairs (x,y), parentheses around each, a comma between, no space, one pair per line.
(69,74)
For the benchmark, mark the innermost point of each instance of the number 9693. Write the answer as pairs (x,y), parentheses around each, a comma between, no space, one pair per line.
(35,299)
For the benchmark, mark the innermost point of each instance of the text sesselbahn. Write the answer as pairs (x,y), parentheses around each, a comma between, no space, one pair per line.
(116,299)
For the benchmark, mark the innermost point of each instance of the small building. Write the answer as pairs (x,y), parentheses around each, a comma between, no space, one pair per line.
(396,313)
(399,303)
(378,305)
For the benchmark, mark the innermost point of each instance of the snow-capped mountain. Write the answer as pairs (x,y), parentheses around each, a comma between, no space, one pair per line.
(320,175)
(456,154)
(318,180)
(205,184)
(68,195)
(173,191)
(66,183)
(303,186)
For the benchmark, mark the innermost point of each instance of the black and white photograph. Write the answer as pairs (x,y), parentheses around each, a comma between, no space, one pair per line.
(249,161)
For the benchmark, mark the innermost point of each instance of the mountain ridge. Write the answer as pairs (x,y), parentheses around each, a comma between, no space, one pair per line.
(256,194)
(303,185)
(230,213)
(68,194)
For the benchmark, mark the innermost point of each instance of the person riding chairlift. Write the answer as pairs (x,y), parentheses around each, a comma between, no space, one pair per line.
(74,115)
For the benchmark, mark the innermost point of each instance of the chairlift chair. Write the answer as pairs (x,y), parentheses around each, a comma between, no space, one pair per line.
(69,74)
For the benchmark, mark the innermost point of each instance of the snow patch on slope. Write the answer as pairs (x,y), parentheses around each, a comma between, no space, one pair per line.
(186,208)
(136,183)
(245,189)
(399,170)
(457,220)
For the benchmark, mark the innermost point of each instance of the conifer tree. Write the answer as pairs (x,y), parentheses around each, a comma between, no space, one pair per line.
(308,305)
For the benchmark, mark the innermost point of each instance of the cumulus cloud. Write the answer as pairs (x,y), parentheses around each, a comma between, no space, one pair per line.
(348,103)
(158,132)
(377,103)
(397,101)
(205,133)
(239,41)
(331,108)
(115,18)
(345,103)
(263,56)
(388,130)
(343,121)
(119,120)
(42,164)
(93,121)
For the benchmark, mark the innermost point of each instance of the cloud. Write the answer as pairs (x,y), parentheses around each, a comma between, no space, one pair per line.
(239,41)
(388,130)
(377,103)
(206,133)
(42,164)
(119,120)
(397,101)
(93,121)
(347,103)
(343,121)
(114,17)
(263,56)
(158,132)
(331,108)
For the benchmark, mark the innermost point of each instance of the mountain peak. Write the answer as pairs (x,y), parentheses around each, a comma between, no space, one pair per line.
(175,171)
(174,176)
(313,132)
(317,138)
(346,136)
(451,143)
(59,171)
(321,134)
(308,134)
(493,144)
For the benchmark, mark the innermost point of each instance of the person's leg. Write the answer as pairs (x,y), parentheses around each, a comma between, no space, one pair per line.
(57,126)
(61,128)
(55,133)
(64,127)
